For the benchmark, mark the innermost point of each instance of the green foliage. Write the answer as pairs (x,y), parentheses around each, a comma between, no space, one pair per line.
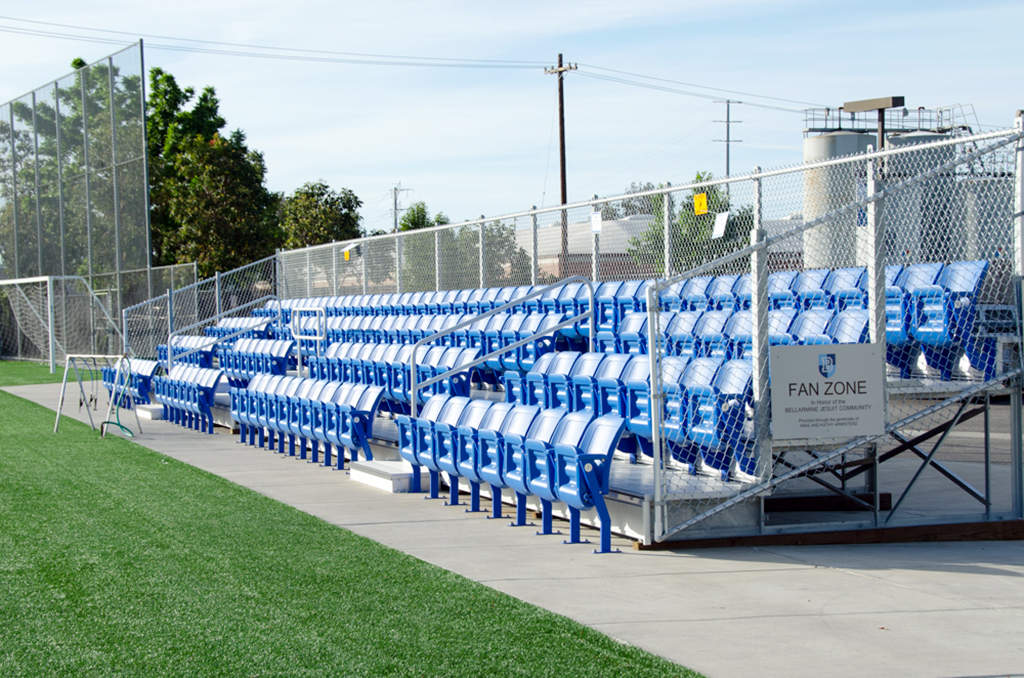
(315,215)
(692,243)
(458,250)
(116,560)
(169,125)
(216,193)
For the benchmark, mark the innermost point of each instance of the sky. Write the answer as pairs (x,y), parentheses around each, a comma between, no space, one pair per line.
(483,140)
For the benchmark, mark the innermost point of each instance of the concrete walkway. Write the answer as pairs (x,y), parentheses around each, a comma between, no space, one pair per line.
(935,610)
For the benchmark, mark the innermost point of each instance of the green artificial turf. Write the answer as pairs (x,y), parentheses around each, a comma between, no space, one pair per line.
(117,560)
(19,373)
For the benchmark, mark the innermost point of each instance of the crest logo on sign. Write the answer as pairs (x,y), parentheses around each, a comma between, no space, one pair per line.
(827,364)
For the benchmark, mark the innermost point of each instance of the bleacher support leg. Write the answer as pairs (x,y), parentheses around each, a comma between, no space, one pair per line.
(252,434)
(262,437)
(341,459)
(241,432)
(415,479)
(435,485)
(474,498)
(327,454)
(314,447)
(291,444)
(574,528)
(302,448)
(520,511)
(545,518)
(453,490)
(280,443)
(271,439)
(495,503)
(606,526)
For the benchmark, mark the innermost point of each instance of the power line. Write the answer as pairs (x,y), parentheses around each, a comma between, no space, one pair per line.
(690,84)
(673,90)
(299,54)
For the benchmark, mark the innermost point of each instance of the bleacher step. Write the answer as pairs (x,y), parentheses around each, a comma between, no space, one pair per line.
(151,412)
(390,476)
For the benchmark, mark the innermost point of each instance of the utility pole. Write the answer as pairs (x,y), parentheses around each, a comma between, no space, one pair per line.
(394,195)
(728,140)
(560,71)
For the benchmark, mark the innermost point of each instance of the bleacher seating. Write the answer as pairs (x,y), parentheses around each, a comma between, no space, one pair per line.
(197,351)
(188,393)
(566,411)
(248,357)
(138,374)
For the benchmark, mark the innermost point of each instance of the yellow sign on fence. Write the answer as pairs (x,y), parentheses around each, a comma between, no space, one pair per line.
(700,203)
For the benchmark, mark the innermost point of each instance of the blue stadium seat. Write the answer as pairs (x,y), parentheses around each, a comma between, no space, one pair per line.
(514,452)
(537,463)
(810,327)
(679,335)
(469,456)
(805,283)
(717,413)
(943,317)
(902,349)
(559,385)
(451,449)
(582,475)
(491,452)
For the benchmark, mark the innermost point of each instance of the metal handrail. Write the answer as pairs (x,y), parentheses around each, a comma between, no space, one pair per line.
(225,314)
(501,309)
(318,312)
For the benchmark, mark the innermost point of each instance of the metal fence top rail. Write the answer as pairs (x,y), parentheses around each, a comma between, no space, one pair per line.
(1012,133)
(845,209)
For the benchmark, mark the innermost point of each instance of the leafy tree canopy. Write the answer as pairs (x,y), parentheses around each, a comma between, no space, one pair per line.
(227,216)
(691,233)
(315,215)
(418,216)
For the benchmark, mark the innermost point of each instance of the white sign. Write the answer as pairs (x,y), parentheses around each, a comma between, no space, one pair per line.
(595,222)
(721,221)
(827,391)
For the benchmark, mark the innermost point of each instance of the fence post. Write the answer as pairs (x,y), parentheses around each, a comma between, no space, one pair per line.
(216,289)
(124,329)
(595,251)
(334,273)
(309,276)
(533,256)
(759,315)
(483,260)
(398,262)
(437,261)
(50,331)
(1016,417)
(875,262)
(667,218)
(362,258)
(170,328)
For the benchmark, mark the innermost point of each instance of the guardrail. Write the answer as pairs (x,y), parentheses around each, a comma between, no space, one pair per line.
(413,387)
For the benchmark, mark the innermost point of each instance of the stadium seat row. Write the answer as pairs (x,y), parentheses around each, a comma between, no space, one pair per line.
(555,455)
(313,411)
(187,394)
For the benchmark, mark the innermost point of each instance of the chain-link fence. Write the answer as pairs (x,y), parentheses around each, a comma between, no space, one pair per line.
(81,307)
(833,345)
(185,302)
(73,186)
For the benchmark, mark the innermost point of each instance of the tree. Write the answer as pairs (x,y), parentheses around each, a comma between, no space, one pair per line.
(418,272)
(692,243)
(227,216)
(315,215)
(170,125)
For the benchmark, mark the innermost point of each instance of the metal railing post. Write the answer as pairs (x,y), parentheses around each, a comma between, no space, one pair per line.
(309,276)
(216,289)
(533,255)
(876,261)
(398,263)
(437,261)
(170,328)
(667,218)
(1018,201)
(124,330)
(657,397)
(595,250)
(483,256)
(759,315)
(51,331)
